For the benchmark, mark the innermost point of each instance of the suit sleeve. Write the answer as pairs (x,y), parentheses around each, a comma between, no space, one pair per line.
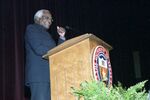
(40,43)
(60,41)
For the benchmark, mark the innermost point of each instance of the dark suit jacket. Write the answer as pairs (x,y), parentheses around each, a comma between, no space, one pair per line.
(37,42)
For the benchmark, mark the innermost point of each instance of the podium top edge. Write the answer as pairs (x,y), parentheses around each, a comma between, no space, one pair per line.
(73,41)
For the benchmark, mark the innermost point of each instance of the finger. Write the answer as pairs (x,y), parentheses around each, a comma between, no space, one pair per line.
(58,27)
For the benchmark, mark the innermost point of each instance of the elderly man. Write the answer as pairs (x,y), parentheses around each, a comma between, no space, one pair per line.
(37,42)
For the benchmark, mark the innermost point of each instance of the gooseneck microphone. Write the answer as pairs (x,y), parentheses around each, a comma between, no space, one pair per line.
(72,29)
(68,27)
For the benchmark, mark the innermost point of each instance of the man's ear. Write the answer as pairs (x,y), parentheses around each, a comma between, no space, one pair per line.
(40,20)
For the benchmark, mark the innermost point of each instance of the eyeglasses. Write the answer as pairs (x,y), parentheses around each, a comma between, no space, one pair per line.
(47,18)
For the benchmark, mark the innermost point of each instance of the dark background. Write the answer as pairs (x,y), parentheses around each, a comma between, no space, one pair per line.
(124,24)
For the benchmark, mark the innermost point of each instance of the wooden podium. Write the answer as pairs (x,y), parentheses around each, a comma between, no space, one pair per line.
(71,64)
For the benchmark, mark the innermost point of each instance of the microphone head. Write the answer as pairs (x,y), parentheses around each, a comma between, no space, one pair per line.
(67,27)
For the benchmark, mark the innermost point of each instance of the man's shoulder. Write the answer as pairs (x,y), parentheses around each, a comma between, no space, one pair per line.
(30,26)
(31,29)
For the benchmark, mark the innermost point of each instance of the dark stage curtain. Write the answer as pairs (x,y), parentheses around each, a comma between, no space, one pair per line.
(12,51)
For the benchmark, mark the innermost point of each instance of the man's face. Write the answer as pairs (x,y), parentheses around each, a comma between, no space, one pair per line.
(46,20)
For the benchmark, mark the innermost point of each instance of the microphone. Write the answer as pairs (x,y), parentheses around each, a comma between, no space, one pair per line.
(72,29)
(68,27)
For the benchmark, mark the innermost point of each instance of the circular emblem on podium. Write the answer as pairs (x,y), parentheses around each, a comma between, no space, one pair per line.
(101,65)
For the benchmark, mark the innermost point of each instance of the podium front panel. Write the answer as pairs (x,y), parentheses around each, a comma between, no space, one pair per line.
(68,68)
